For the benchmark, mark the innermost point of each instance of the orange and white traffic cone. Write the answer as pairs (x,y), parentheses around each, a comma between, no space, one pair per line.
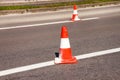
(65,53)
(75,14)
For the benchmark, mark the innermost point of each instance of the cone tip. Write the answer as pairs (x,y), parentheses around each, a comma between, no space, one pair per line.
(64,32)
(75,7)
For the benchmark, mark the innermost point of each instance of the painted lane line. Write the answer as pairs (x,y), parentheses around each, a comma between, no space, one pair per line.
(50,63)
(25,26)
(59,22)
(90,18)
(26,68)
(99,53)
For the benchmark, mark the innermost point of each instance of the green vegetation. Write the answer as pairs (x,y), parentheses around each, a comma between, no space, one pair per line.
(31,6)
(17,7)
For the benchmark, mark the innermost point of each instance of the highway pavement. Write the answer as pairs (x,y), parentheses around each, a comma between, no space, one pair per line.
(98,30)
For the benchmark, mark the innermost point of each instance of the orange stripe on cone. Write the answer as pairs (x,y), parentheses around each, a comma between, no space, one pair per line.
(75,14)
(65,52)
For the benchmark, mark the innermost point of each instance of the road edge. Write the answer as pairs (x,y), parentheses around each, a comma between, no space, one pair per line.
(22,11)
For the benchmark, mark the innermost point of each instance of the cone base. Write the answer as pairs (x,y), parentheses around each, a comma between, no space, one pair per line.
(76,19)
(65,61)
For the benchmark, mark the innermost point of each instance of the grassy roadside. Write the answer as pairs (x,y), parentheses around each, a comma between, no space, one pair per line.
(54,5)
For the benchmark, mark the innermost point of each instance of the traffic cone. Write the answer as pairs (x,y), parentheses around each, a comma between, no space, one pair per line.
(65,53)
(75,14)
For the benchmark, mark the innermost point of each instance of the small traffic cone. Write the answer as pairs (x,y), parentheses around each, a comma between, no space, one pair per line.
(75,14)
(65,53)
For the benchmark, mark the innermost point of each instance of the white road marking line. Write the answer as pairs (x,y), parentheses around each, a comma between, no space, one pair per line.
(25,26)
(50,63)
(26,68)
(99,53)
(90,18)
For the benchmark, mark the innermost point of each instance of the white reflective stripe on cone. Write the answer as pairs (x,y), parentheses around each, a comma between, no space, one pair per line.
(75,12)
(64,43)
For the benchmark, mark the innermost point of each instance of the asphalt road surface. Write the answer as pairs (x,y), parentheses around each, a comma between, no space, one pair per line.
(98,29)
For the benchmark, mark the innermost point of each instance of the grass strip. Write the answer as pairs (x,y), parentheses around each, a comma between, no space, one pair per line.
(51,5)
